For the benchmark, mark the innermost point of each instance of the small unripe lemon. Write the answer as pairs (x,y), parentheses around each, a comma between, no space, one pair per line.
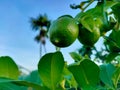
(63,31)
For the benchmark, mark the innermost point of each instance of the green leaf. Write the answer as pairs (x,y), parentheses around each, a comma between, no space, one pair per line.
(86,73)
(106,72)
(89,88)
(8,68)
(116,77)
(11,86)
(22,83)
(69,79)
(101,13)
(85,19)
(50,69)
(115,9)
(114,43)
(101,88)
(32,77)
(94,19)
(78,17)
(109,4)
(77,57)
(118,59)
(111,56)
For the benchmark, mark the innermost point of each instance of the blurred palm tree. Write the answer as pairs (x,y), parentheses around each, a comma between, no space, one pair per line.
(41,24)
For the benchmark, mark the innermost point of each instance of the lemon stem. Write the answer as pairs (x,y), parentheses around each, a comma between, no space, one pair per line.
(91,1)
(58,48)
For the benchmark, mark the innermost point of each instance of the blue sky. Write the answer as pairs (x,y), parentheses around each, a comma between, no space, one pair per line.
(16,35)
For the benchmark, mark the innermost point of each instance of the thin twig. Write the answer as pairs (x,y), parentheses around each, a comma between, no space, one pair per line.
(88,5)
(57,48)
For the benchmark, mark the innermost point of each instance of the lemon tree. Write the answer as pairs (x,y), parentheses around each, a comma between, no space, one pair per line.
(91,69)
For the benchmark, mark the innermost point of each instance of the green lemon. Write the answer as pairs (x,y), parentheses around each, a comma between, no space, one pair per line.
(63,31)
(89,29)
(97,13)
(88,38)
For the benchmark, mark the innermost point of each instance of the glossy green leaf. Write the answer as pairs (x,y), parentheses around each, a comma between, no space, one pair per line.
(101,13)
(116,77)
(78,17)
(111,56)
(115,37)
(86,73)
(69,79)
(118,59)
(86,18)
(101,88)
(21,83)
(114,42)
(109,4)
(8,68)
(89,26)
(77,57)
(89,87)
(11,86)
(94,19)
(115,9)
(106,72)
(50,69)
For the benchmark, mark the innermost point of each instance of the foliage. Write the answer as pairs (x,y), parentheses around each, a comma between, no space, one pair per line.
(86,73)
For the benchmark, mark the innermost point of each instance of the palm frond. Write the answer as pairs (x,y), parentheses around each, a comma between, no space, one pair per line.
(40,21)
(37,38)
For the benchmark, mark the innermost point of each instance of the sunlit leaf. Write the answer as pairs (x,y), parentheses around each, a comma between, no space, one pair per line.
(118,58)
(8,68)
(94,19)
(69,78)
(86,73)
(116,77)
(109,4)
(76,56)
(21,83)
(11,86)
(50,69)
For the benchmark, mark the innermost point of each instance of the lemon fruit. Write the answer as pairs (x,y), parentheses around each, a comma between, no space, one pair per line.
(63,31)
(89,29)
(88,38)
